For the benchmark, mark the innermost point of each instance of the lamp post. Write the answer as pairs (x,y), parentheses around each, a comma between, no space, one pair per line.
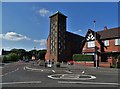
(95,44)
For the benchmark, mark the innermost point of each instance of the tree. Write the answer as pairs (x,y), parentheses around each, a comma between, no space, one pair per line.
(41,54)
(19,52)
(12,57)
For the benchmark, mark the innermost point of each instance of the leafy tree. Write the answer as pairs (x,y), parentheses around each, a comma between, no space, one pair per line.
(19,52)
(12,57)
(41,54)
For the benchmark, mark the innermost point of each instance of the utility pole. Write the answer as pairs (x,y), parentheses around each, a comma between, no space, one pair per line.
(95,44)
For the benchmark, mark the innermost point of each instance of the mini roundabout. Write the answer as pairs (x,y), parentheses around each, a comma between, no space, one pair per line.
(72,76)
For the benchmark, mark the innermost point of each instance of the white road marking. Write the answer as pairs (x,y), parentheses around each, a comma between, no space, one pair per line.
(77,82)
(71,77)
(10,72)
(24,68)
(28,82)
(53,71)
(68,71)
(32,69)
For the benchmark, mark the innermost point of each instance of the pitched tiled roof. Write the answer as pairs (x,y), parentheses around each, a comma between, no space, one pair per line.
(109,33)
(73,37)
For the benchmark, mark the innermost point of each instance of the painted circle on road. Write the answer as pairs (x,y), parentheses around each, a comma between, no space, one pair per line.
(72,76)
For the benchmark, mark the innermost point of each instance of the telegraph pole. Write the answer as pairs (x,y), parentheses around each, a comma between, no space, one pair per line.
(95,44)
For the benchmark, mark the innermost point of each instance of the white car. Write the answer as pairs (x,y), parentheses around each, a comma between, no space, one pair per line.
(49,65)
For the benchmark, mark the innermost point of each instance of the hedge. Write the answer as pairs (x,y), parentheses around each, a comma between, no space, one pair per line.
(12,57)
(80,57)
(118,58)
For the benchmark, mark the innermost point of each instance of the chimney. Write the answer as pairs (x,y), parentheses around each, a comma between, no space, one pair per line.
(105,28)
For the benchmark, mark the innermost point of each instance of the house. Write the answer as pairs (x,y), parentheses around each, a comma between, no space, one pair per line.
(105,43)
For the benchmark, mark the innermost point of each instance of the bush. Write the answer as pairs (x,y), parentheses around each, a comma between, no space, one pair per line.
(80,57)
(4,58)
(119,58)
(118,63)
(12,57)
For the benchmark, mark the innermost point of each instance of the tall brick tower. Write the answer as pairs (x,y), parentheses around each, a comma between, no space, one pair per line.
(61,44)
(57,36)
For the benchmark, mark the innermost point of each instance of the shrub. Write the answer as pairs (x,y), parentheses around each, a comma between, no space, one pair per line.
(4,58)
(119,58)
(80,57)
(12,57)
(118,63)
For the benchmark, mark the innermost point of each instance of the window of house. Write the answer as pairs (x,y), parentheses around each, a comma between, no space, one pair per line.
(117,41)
(106,42)
(91,44)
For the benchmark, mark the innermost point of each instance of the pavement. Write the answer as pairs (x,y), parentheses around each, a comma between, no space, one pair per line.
(21,74)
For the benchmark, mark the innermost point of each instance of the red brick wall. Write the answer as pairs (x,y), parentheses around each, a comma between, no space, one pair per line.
(86,49)
(112,47)
(47,56)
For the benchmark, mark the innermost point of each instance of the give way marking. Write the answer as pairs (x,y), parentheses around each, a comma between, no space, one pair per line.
(27,82)
(78,82)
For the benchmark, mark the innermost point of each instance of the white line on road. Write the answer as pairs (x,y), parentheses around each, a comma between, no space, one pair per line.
(32,69)
(77,82)
(68,71)
(10,72)
(28,82)
(53,71)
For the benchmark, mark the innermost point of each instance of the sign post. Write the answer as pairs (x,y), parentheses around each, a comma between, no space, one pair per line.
(95,44)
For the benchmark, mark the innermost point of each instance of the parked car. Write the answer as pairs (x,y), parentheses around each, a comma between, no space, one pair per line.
(49,64)
(26,60)
(58,64)
(71,62)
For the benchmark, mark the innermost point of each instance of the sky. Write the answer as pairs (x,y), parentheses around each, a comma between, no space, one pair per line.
(26,24)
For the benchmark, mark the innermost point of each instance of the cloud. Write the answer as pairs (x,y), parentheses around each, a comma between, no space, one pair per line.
(12,36)
(43,12)
(79,30)
(42,42)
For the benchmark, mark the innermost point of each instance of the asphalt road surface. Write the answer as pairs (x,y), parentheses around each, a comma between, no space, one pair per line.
(21,74)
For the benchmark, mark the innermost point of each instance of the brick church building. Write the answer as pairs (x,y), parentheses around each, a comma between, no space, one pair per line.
(61,44)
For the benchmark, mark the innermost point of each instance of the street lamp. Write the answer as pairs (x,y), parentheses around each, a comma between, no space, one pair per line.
(95,44)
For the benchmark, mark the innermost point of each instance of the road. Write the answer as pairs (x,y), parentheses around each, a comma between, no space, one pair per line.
(21,74)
